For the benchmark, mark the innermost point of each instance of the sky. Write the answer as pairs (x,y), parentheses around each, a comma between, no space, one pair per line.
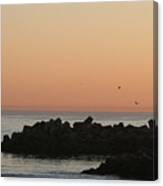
(72,57)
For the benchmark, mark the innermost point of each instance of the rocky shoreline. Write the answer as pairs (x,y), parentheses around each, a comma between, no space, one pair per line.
(130,148)
(127,166)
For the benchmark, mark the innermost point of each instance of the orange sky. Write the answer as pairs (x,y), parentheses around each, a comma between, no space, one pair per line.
(72,57)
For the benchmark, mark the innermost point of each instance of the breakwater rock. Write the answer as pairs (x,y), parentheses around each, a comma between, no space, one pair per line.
(55,138)
(128,166)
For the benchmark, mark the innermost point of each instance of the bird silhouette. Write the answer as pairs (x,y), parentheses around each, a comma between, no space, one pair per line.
(119,87)
(136,103)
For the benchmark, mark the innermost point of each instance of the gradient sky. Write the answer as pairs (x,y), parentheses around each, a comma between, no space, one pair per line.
(72,57)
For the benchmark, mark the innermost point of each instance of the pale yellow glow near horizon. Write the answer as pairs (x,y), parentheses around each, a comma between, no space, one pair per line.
(72,57)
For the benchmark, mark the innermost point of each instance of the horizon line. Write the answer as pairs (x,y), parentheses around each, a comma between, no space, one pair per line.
(75,111)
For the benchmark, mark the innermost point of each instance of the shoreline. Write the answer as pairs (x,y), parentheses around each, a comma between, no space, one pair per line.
(62,176)
(129,149)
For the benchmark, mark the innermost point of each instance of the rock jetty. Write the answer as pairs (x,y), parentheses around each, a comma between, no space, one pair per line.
(130,148)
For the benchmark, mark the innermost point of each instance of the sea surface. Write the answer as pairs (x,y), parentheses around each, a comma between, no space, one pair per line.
(13,165)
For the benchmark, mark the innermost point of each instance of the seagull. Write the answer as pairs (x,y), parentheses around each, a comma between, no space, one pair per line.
(136,103)
(119,87)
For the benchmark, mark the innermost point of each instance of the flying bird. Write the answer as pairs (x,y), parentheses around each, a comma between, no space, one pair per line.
(119,87)
(136,103)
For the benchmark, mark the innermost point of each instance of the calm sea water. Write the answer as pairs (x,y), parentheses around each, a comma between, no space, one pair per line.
(13,165)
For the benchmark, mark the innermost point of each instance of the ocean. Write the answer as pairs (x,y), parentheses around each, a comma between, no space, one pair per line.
(14,165)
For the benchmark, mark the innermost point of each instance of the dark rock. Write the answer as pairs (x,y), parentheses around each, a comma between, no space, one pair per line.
(27,129)
(55,139)
(15,135)
(6,138)
(78,125)
(88,120)
(127,166)
(66,124)
(83,125)
(151,123)
(97,125)
(58,121)
(120,125)
(51,120)
(143,127)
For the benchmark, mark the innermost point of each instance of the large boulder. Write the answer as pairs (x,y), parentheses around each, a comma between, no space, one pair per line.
(88,120)
(127,166)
